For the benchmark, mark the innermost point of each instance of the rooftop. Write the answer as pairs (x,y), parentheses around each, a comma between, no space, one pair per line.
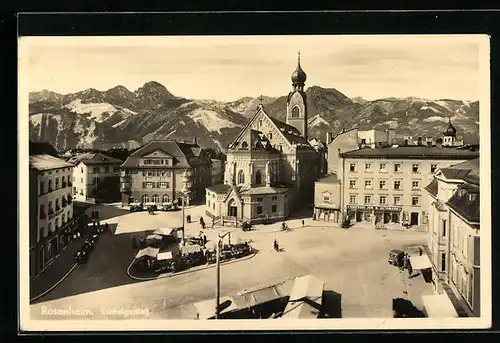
(330,178)
(219,189)
(411,152)
(94,158)
(185,154)
(465,202)
(432,187)
(47,162)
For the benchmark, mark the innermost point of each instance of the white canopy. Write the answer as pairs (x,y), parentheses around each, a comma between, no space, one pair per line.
(439,306)
(420,262)
(158,237)
(167,255)
(165,231)
(149,251)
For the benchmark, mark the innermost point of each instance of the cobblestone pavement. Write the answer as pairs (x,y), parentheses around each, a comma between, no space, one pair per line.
(352,262)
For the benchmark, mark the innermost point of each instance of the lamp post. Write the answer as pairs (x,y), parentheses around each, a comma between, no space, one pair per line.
(217,286)
(183,220)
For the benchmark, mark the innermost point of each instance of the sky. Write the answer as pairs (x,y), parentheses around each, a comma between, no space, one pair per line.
(227,68)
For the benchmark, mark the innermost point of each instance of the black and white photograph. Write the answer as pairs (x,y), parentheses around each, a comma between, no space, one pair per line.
(293,182)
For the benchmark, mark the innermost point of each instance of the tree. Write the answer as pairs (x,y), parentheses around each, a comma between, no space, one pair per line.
(108,189)
(40,148)
(119,153)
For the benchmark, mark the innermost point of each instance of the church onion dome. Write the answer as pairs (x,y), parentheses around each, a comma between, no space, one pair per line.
(450,131)
(299,76)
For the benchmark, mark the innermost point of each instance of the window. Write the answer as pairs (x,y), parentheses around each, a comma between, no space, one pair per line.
(259,199)
(382,184)
(208,203)
(42,187)
(415,168)
(213,205)
(57,205)
(106,169)
(57,182)
(258,177)
(397,167)
(295,112)
(270,135)
(397,185)
(414,201)
(352,199)
(42,212)
(148,185)
(397,200)
(81,180)
(96,180)
(165,173)
(150,173)
(352,167)
(116,169)
(368,199)
(156,198)
(443,262)
(145,198)
(368,183)
(163,184)
(275,198)
(368,167)
(259,209)
(81,170)
(363,140)
(273,209)
(326,197)
(96,170)
(244,145)
(165,198)
(352,184)
(383,200)
(241,177)
(414,185)
(444,228)
(433,168)
(382,167)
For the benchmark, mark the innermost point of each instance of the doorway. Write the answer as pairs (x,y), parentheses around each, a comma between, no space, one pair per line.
(358,216)
(232,210)
(414,218)
(387,217)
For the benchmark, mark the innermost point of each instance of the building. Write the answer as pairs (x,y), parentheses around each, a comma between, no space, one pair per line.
(166,171)
(271,167)
(51,210)
(217,172)
(327,198)
(450,136)
(386,184)
(321,148)
(89,174)
(454,233)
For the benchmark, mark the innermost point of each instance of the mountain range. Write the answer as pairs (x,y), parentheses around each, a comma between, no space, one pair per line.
(119,117)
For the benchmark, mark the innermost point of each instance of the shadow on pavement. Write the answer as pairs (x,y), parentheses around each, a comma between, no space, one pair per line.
(106,267)
(107,211)
(403,308)
(331,305)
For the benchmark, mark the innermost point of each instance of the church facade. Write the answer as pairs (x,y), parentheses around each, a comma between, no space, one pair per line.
(271,167)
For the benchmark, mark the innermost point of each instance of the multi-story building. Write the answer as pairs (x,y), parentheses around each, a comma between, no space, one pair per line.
(327,198)
(386,184)
(90,169)
(51,210)
(166,171)
(321,148)
(453,239)
(271,166)
(217,172)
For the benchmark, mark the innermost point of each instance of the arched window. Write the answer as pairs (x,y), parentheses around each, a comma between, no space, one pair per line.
(57,223)
(241,177)
(63,218)
(156,198)
(258,177)
(244,145)
(166,198)
(145,198)
(295,112)
(57,205)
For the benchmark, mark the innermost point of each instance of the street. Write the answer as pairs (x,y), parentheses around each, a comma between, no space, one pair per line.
(352,262)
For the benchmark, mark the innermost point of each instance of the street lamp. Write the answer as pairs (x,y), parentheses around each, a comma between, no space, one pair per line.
(217,259)
(183,220)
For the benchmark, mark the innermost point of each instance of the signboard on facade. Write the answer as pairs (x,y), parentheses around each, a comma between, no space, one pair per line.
(368,207)
(327,205)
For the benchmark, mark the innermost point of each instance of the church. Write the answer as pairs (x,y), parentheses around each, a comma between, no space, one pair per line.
(271,166)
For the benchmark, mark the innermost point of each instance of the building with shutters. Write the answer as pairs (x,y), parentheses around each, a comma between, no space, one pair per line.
(454,235)
(51,210)
(271,166)
(165,171)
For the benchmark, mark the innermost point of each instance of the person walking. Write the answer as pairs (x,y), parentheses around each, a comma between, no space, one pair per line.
(410,269)
(420,252)
(303,222)
(275,245)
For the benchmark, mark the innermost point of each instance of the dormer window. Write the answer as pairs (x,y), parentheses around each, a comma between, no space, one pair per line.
(472,197)
(244,145)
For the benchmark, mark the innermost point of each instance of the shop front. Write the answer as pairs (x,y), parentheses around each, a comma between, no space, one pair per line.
(374,214)
(327,212)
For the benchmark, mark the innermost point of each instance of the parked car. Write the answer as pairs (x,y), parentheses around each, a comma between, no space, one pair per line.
(396,257)
(81,256)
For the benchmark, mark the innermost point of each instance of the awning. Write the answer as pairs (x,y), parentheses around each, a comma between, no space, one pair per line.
(307,286)
(420,262)
(167,255)
(439,306)
(158,237)
(164,231)
(149,251)
(206,309)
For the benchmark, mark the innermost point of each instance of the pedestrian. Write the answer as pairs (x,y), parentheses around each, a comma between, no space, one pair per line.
(420,252)
(204,239)
(201,220)
(410,270)
(203,225)
(302,222)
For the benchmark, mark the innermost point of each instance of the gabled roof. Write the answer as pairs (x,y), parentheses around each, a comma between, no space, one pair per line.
(219,189)
(455,174)
(463,205)
(47,162)
(289,133)
(183,153)
(411,152)
(94,158)
(467,171)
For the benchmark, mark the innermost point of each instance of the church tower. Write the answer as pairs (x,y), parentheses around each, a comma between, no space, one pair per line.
(296,105)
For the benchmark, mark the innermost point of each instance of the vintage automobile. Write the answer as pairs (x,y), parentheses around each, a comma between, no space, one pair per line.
(81,256)
(396,257)
(136,207)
